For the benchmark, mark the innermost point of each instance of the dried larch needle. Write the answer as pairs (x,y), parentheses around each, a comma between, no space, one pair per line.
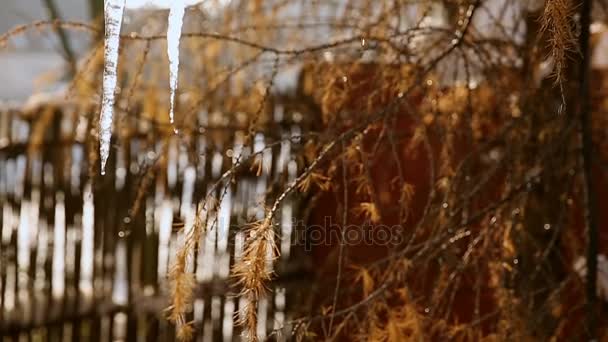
(558,21)
(182,288)
(253,271)
(181,279)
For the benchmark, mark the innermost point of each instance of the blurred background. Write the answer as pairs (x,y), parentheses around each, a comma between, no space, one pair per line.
(31,59)
(73,253)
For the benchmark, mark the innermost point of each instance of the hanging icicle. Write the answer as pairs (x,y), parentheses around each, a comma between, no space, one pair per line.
(113,12)
(174,32)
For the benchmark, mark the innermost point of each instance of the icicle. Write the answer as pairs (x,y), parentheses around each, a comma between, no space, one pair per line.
(174,32)
(113,12)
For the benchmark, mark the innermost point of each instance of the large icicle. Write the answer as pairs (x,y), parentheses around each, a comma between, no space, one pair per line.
(113,12)
(174,33)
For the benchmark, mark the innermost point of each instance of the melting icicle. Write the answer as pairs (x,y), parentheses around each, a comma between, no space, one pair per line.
(174,32)
(113,12)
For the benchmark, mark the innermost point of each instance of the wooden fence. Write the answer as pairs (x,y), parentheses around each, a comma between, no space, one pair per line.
(87,259)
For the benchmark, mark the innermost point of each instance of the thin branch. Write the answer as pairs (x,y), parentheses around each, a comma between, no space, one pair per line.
(342,237)
(69,55)
(590,202)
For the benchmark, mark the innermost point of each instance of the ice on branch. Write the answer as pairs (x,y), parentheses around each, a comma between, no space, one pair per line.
(113,13)
(174,32)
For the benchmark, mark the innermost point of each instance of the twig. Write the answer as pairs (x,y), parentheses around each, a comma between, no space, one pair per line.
(342,232)
(63,38)
(590,203)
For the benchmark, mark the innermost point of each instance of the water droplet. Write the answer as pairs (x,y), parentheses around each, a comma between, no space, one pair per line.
(547,226)
(328,56)
(444,205)
(516,261)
